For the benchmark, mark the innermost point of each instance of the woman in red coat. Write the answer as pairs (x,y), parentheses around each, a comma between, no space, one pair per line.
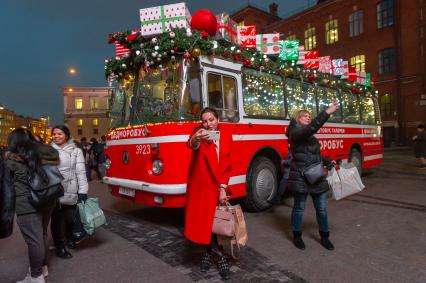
(208,179)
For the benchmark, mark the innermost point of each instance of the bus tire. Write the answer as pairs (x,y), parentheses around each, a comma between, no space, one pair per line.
(262,184)
(356,159)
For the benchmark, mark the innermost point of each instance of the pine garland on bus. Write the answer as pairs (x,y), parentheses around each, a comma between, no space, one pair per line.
(167,49)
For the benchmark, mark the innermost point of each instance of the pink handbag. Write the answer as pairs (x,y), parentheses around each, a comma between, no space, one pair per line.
(224,222)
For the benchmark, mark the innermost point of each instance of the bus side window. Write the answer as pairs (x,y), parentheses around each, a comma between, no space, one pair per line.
(325,97)
(222,95)
(368,115)
(262,94)
(300,96)
(350,108)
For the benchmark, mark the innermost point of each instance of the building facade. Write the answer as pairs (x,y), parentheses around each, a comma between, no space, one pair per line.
(7,124)
(9,121)
(385,38)
(86,111)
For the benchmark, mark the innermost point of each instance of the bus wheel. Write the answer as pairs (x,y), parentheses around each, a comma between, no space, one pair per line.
(262,184)
(356,159)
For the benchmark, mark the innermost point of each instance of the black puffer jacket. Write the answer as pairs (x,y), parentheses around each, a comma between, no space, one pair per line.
(306,151)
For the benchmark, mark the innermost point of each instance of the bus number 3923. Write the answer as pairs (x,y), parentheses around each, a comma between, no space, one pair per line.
(143,149)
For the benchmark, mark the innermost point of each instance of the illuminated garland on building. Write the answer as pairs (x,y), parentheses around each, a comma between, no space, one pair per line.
(167,49)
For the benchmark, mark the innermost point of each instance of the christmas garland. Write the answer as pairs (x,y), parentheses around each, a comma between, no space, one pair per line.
(169,48)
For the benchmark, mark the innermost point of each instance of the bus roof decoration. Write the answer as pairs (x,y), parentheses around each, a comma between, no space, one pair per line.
(167,50)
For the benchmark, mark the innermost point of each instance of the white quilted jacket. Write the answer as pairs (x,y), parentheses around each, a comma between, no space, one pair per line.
(72,168)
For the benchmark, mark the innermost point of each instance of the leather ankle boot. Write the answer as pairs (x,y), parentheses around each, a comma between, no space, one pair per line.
(325,241)
(297,240)
(62,252)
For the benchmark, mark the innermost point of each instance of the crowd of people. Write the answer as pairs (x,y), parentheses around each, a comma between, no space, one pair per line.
(207,185)
(24,159)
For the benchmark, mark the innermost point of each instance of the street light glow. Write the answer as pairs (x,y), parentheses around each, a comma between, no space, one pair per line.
(70,90)
(72,71)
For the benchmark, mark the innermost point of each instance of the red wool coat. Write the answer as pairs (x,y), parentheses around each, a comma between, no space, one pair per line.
(206,174)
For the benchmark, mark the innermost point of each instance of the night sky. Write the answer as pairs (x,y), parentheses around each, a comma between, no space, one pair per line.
(41,39)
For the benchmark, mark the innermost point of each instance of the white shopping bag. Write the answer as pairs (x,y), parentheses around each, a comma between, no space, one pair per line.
(335,184)
(349,183)
(357,176)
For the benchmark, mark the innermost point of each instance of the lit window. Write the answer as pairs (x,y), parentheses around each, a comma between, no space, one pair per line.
(240,24)
(331,32)
(78,103)
(310,39)
(291,37)
(94,103)
(386,61)
(95,122)
(356,23)
(80,122)
(385,13)
(358,62)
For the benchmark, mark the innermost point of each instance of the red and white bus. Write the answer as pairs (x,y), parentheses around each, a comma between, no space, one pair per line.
(152,118)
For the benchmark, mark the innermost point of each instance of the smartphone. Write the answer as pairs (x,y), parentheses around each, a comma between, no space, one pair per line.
(213,135)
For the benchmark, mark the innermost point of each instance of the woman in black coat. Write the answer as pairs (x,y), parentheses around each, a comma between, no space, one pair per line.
(306,153)
(24,160)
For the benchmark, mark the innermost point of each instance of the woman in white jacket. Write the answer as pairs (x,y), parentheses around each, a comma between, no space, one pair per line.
(72,168)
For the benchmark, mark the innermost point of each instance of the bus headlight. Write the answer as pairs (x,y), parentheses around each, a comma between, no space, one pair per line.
(108,163)
(157,166)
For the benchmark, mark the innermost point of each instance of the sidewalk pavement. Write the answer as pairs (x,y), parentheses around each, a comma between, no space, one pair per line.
(104,257)
(400,160)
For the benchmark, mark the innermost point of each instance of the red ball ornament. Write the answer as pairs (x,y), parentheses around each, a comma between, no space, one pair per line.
(186,55)
(311,77)
(204,20)
(247,62)
(353,89)
(359,91)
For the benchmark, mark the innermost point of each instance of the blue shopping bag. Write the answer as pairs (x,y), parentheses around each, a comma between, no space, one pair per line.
(92,216)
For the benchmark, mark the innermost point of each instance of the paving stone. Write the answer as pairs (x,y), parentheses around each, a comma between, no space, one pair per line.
(179,253)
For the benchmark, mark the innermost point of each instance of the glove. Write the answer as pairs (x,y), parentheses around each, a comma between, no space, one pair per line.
(82,197)
(327,162)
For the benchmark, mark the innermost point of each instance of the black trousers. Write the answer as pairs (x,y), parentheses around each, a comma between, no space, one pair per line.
(33,227)
(65,222)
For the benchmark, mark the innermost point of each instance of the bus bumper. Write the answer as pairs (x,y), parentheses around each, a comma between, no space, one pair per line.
(160,195)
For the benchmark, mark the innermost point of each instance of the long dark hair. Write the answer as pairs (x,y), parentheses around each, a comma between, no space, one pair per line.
(22,142)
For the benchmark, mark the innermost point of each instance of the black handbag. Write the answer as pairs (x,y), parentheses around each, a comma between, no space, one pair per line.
(313,173)
(46,190)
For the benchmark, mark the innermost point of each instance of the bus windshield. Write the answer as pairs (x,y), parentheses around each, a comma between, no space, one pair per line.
(171,94)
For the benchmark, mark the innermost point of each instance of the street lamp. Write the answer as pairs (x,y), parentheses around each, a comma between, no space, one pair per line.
(72,71)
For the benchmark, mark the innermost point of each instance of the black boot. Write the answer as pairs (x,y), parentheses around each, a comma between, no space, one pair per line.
(62,252)
(71,244)
(206,262)
(297,240)
(223,265)
(325,242)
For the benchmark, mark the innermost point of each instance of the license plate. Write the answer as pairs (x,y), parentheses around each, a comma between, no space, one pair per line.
(126,192)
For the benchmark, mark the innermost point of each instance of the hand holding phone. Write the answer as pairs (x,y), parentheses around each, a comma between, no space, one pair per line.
(212,135)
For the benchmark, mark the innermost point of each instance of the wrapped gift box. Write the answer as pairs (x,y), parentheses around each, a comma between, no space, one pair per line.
(156,20)
(268,43)
(311,59)
(226,28)
(289,50)
(324,64)
(340,68)
(247,36)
